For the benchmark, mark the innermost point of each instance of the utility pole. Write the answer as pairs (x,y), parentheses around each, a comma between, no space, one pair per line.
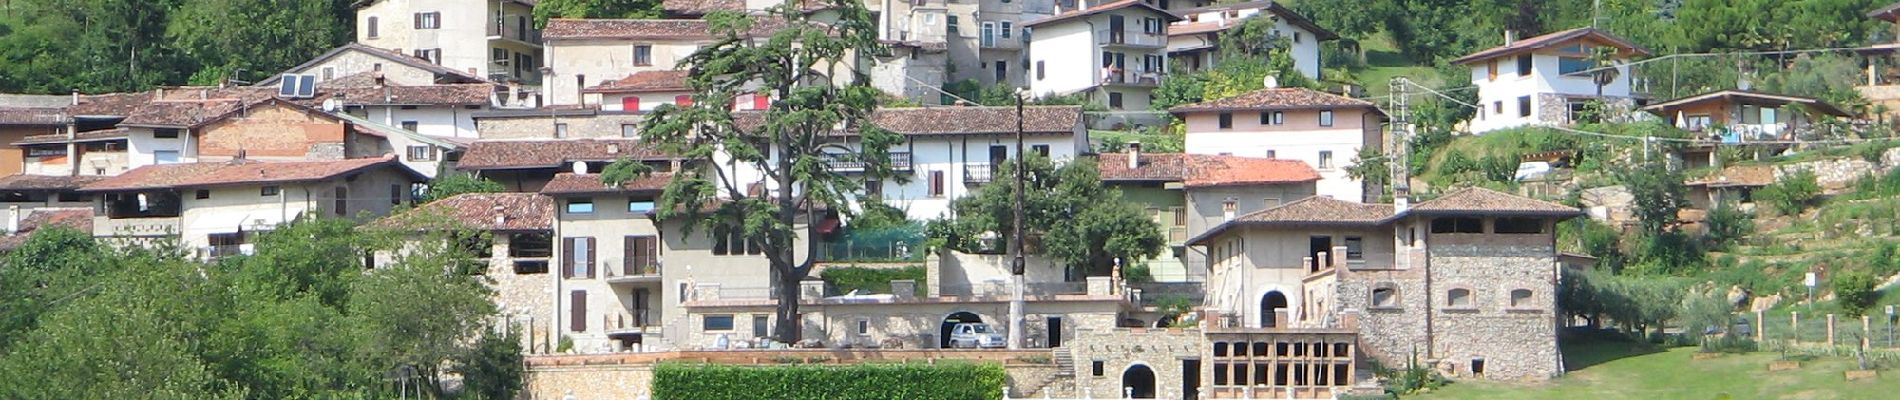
(1016,265)
(1399,161)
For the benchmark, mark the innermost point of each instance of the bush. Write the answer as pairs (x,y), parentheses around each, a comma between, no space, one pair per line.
(1727,224)
(1855,291)
(1791,195)
(944,380)
(872,280)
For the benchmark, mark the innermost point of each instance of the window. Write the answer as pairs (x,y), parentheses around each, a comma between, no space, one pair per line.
(1115,100)
(268,191)
(641,255)
(202,194)
(713,323)
(1524,106)
(642,55)
(683,100)
(1457,225)
(950,24)
(761,325)
(864,326)
(1326,118)
(639,206)
(1518,226)
(1272,154)
(577,311)
(731,241)
(1040,149)
(1520,298)
(429,20)
(1007,26)
(1227,120)
(329,73)
(342,201)
(395,194)
(410,126)
(1325,159)
(1355,248)
(630,103)
(1573,67)
(1180,216)
(560,131)
(500,55)
(580,206)
(1385,296)
(874,188)
(936,183)
(421,153)
(1039,70)
(370,26)
(1497,107)
(1266,118)
(1524,66)
(629,131)
(165,133)
(1460,297)
(578,254)
(1095,368)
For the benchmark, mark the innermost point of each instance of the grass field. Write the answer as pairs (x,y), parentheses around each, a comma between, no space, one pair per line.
(1616,370)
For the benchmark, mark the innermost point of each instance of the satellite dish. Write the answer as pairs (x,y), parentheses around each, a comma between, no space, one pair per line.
(580,168)
(330,105)
(1270,82)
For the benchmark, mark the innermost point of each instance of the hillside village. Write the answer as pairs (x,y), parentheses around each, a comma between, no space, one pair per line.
(958,199)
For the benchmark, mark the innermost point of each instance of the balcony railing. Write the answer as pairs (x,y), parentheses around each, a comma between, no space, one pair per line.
(1177,234)
(977,173)
(632,320)
(634,271)
(1002,289)
(900,161)
(1132,77)
(506,28)
(1129,38)
(992,40)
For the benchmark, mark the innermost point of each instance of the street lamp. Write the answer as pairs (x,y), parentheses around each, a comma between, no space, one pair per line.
(1016,265)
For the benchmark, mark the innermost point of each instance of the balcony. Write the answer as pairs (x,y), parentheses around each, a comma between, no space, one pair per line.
(1132,78)
(1177,235)
(991,40)
(633,272)
(514,28)
(900,161)
(976,174)
(631,321)
(1125,38)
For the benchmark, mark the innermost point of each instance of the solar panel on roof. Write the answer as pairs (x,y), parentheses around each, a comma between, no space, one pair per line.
(307,86)
(287,86)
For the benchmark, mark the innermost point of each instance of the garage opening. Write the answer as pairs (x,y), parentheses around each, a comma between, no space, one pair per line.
(1138,382)
(951,321)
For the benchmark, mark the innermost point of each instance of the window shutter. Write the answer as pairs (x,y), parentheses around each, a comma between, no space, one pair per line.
(577,311)
(567,257)
(418,20)
(590,257)
(683,100)
(630,103)
(761,101)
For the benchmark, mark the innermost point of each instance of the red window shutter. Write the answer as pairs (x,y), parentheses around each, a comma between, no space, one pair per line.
(590,257)
(630,103)
(761,101)
(683,100)
(577,311)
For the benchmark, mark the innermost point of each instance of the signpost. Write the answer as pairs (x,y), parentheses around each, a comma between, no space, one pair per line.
(1811,281)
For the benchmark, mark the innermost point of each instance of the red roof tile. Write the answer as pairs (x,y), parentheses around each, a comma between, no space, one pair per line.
(701,7)
(39,218)
(1285,98)
(520,154)
(247,172)
(32,116)
(567,183)
(1623,46)
(1169,17)
(1476,200)
(644,82)
(479,211)
(1205,170)
(87,136)
(678,29)
(21,182)
(977,120)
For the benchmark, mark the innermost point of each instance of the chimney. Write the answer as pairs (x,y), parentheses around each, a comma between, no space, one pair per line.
(1510,37)
(204,94)
(75,97)
(1227,209)
(613,148)
(1401,198)
(13,219)
(501,218)
(1134,154)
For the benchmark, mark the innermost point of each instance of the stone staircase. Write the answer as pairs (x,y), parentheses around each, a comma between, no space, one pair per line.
(1062,382)
(1065,362)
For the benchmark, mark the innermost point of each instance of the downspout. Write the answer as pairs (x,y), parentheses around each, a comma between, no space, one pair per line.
(1431,346)
(554,264)
(72,148)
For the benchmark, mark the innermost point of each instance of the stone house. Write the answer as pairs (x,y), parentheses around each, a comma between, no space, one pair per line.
(1465,282)
(1115,53)
(584,53)
(1325,130)
(353,59)
(210,125)
(515,244)
(1186,194)
(1195,40)
(1548,79)
(214,208)
(493,40)
(952,152)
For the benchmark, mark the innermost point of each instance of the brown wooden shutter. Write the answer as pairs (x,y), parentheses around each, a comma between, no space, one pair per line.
(590,258)
(418,20)
(567,257)
(936,183)
(629,258)
(577,311)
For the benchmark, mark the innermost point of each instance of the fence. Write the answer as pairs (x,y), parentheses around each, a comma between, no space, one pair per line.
(900,243)
(1826,330)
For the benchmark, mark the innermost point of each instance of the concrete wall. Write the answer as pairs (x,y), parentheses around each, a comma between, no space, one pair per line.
(1305,52)
(610,306)
(462,37)
(1067,54)
(234,208)
(1206,208)
(581,63)
(353,62)
(448,121)
(1300,138)
(1120,350)
(607,125)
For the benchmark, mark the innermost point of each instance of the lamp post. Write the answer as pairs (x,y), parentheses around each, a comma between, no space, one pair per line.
(1016,265)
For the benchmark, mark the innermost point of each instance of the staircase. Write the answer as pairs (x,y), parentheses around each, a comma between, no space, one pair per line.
(1063,379)
(1065,362)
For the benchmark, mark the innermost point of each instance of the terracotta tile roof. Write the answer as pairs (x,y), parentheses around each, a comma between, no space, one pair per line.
(111,104)
(567,184)
(1205,170)
(76,218)
(1274,7)
(679,29)
(1190,28)
(237,173)
(700,7)
(1285,98)
(1753,175)
(644,82)
(21,182)
(32,116)
(1668,109)
(87,136)
(977,120)
(442,74)
(1169,17)
(1310,211)
(456,94)
(1623,46)
(1481,201)
(479,211)
(521,154)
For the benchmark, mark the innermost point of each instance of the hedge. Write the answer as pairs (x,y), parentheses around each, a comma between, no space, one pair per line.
(941,381)
(873,280)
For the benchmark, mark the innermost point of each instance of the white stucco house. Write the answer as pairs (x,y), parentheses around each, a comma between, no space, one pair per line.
(1549,79)
(1195,40)
(491,39)
(1115,53)
(952,152)
(1325,130)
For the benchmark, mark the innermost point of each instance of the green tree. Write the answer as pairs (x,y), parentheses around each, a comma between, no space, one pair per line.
(272,35)
(1081,222)
(421,314)
(57,46)
(794,65)
(1372,167)
(1657,192)
(1726,225)
(53,264)
(451,184)
(1856,292)
(635,9)
(1791,194)
(1179,90)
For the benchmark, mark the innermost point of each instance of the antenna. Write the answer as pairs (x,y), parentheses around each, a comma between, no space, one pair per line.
(1399,164)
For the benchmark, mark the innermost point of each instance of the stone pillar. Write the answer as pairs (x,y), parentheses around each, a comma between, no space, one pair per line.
(811,290)
(1339,257)
(1101,286)
(1794,327)
(1866,332)
(1761,325)
(1830,330)
(933,270)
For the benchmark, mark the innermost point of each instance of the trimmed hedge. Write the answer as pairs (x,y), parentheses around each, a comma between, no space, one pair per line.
(941,381)
(873,280)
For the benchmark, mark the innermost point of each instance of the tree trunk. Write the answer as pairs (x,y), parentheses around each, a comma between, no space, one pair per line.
(785,324)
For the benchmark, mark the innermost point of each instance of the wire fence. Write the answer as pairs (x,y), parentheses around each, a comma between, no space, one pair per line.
(890,244)
(1805,328)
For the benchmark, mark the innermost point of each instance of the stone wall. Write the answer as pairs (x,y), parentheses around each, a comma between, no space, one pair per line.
(1556,107)
(1834,174)
(1391,335)
(1514,341)
(1119,350)
(603,125)
(588,382)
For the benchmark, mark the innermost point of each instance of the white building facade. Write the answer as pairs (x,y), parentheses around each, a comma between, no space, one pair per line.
(1115,53)
(1194,41)
(490,39)
(1550,79)
(1325,130)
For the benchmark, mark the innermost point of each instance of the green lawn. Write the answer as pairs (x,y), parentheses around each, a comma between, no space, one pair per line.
(1608,370)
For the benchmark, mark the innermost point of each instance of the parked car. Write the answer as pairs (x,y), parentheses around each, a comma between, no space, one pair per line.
(976,335)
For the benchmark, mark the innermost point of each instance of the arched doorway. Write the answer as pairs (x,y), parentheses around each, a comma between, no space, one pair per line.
(951,321)
(1270,305)
(1139,382)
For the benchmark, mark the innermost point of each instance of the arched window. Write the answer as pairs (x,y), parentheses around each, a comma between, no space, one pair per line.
(1460,298)
(1521,298)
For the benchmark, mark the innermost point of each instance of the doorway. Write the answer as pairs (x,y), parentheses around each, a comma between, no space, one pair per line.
(1318,244)
(1190,379)
(951,321)
(1270,306)
(998,154)
(1138,382)
(1055,332)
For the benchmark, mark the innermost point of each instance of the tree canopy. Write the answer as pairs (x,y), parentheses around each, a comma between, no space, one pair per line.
(1079,221)
(57,46)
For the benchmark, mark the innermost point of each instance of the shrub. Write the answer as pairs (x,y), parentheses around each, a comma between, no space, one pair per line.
(1791,195)
(1855,291)
(871,280)
(1727,224)
(944,380)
